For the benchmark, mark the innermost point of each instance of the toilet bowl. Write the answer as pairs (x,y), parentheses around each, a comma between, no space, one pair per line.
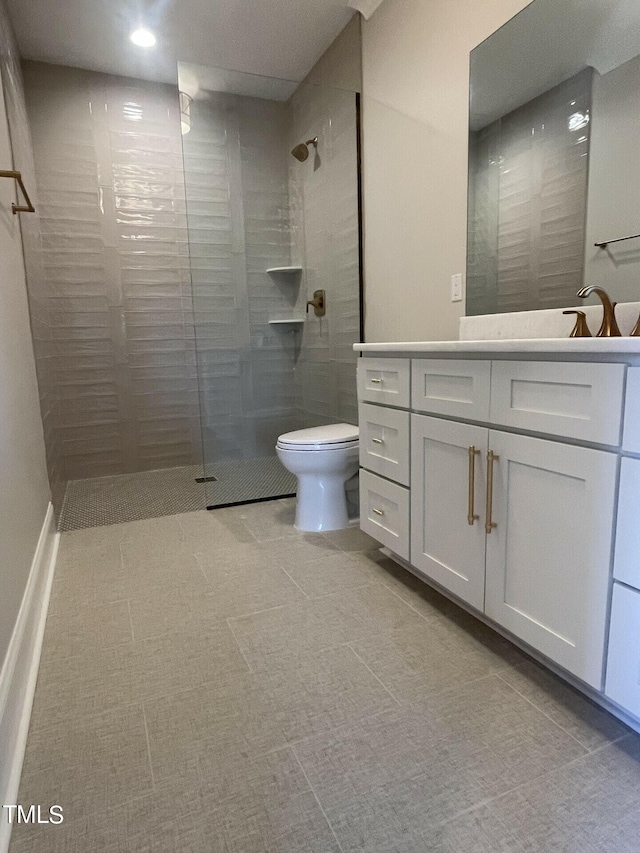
(323,459)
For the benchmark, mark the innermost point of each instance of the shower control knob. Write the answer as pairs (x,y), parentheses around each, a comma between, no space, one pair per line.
(318,302)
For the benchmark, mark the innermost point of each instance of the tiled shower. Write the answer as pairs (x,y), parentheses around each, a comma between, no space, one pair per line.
(164,363)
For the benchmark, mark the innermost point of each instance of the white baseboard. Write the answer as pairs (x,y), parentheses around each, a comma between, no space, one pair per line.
(20,670)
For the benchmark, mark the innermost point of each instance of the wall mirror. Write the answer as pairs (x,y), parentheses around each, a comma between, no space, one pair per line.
(554,157)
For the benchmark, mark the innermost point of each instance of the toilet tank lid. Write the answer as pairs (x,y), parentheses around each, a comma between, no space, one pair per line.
(329,434)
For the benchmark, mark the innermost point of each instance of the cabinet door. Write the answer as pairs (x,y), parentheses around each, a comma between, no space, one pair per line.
(623,665)
(443,544)
(548,559)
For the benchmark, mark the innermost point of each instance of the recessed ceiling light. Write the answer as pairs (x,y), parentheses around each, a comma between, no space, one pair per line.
(143,38)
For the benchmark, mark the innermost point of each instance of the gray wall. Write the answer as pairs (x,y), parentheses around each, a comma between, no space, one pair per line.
(415,133)
(115,255)
(614,183)
(527,204)
(324,193)
(324,229)
(24,496)
(236,182)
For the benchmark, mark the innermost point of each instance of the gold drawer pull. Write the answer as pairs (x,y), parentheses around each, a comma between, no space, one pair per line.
(471,515)
(491,458)
(376,381)
(378,511)
(377,440)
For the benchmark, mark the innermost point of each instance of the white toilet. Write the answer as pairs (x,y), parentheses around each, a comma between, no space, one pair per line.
(323,459)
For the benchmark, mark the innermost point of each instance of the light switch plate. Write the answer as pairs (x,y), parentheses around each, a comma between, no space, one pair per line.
(456,287)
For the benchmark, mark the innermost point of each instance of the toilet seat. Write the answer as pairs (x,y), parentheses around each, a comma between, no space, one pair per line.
(329,437)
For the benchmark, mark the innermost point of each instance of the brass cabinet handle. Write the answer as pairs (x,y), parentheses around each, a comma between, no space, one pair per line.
(375,381)
(491,458)
(471,516)
(377,440)
(378,511)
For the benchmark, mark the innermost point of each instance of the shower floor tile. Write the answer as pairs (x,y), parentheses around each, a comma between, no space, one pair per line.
(170,491)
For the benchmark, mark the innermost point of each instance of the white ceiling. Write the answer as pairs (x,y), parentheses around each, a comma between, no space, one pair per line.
(277,38)
(548,42)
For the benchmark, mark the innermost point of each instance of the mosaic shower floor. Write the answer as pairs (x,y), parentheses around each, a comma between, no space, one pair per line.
(151,494)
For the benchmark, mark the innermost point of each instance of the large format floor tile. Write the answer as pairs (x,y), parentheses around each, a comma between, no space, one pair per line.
(221,683)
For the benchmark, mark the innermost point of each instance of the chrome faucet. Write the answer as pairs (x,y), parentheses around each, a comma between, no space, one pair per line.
(609,326)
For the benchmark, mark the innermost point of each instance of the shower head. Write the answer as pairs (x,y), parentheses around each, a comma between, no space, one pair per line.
(301,152)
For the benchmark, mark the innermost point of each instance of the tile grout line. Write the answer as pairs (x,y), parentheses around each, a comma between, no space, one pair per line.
(544,714)
(240,649)
(146,731)
(320,806)
(379,680)
(128,600)
(336,729)
(282,568)
(488,800)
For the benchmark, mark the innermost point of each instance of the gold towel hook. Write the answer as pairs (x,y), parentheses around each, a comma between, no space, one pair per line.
(19,208)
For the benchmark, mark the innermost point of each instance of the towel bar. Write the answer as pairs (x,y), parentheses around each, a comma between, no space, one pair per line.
(19,208)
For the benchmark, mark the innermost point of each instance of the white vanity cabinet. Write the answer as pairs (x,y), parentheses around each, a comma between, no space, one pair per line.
(514,526)
(513,496)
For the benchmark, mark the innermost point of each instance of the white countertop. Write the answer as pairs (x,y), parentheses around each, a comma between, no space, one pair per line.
(567,346)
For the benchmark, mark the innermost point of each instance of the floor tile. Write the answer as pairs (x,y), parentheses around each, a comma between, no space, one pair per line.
(419,595)
(589,724)
(475,831)
(479,740)
(190,656)
(352,539)
(415,662)
(87,762)
(91,680)
(331,573)
(326,622)
(163,611)
(210,530)
(292,551)
(215,725)
(102,626)
(582,807)
(270,520)
(168,717)
(247,588)
(256,820)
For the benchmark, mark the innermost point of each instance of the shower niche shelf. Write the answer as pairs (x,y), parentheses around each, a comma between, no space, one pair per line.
(284,270)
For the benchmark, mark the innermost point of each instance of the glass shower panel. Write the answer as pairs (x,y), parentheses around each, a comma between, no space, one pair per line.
(265,231)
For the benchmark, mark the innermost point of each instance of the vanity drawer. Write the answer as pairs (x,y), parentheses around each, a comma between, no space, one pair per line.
(572,399)
(384,380)
(631,432)
(622,683)
(384,442)
(384,512)
(455,387)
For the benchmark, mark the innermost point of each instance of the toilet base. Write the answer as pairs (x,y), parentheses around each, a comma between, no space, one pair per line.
(321,504)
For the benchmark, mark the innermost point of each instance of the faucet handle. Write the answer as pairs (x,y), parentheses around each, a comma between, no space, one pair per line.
(318,303)
(581,328)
